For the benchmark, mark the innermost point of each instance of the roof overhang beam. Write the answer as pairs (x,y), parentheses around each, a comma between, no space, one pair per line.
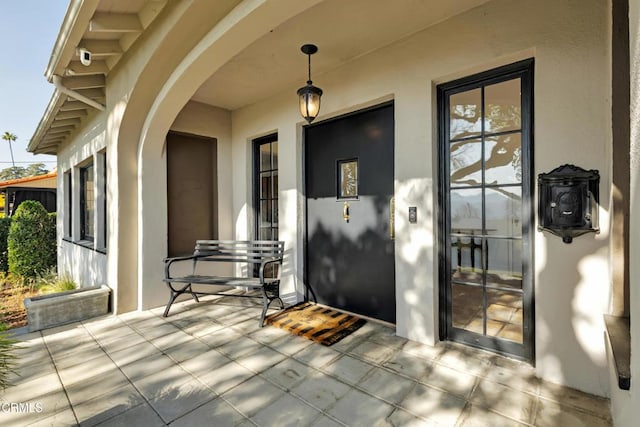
(115,23)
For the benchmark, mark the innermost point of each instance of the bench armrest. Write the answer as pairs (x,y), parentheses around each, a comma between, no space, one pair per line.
(169,261)
(268,261)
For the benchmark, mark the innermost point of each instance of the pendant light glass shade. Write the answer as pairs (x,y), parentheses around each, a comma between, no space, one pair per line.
(309,101)
(309,95)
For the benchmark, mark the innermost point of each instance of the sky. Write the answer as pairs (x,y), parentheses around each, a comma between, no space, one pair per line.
(27,35)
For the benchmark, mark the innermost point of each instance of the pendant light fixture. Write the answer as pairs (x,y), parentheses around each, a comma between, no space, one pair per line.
(309,95)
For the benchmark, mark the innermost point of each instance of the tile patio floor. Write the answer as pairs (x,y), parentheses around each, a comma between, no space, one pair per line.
(209,364)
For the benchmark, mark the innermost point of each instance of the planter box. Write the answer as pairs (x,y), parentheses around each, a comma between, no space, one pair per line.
(48,311)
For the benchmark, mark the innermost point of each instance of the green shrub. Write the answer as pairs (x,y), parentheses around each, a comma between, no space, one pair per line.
(5,222)
(7,357)
(49,282)
(32,250)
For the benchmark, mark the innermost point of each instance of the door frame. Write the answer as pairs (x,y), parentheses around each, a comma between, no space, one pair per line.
(526,351)
(305,239)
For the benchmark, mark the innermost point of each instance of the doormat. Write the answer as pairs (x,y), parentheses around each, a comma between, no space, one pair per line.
(320,324)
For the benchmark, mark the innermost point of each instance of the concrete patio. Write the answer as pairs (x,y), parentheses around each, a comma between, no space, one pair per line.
(210,364)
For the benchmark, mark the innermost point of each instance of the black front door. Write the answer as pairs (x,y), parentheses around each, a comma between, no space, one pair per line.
(349,192)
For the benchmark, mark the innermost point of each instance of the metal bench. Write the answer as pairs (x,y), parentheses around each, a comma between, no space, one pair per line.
(263,261)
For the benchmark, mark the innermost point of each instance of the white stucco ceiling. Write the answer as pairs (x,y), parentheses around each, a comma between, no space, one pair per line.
(342,30)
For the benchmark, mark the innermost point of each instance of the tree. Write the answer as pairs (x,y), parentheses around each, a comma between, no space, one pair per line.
(16,172)
(10,137)
(13,172)
(35,169)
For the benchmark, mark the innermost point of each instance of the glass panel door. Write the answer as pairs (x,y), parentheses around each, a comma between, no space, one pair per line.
(266,187)
(485,143)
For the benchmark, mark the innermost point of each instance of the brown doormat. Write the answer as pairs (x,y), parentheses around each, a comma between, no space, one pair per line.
(320,324)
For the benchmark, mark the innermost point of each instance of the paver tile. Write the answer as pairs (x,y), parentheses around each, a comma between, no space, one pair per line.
(504,400)
(205,362)
(63,418)
(147,366)
(286,411)
(220,337)
(434,405)
(239,347)
(81,356)
(574,398)
(108,405)
(162,382)
(82,391)
(551,414)
(386,385)
(289,344)
(177,400)
(171,340)
(373,352)
(407,364)
(89,371)
(260,359)
(214,413)
(225,377)
(359,409)
(321,390)
(453,381)
(475,416)
(316,355)
(141,415)
(348,369)
(130,355)
(288,373)
(252,395)
(269,334)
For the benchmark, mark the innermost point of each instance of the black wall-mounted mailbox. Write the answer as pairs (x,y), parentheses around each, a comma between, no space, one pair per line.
(568,201)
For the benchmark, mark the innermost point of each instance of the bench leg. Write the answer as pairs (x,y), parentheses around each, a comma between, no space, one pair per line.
(274,290)
(173,294)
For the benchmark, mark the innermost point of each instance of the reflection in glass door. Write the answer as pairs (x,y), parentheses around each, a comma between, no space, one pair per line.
(485,141)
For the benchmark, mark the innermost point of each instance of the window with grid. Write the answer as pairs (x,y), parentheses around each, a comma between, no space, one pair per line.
(87,205)
(266,187)
(68,204)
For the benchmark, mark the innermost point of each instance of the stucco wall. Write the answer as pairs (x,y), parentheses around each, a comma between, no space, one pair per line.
(86,266)
(569,41)
(196,119)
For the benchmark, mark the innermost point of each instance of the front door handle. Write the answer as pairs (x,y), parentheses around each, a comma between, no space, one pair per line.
(345,212)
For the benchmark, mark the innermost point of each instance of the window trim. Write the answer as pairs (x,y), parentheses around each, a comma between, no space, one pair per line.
(68,204)
(84,236)
(257,143)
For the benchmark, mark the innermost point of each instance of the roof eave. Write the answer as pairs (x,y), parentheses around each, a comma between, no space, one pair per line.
(56,100)
(73,26)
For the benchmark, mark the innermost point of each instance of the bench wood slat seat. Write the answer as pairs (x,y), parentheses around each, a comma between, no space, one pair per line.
(267,255)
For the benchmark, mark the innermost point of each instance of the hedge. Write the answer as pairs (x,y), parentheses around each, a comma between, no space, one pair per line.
(32,240)
(5,222)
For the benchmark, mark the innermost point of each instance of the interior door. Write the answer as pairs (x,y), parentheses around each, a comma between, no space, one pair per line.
(485,205)
(349,191)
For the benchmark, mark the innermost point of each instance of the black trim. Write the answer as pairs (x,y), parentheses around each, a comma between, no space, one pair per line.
(87,244)
(83,202)
(523,70)
(68,183)
(269,139)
